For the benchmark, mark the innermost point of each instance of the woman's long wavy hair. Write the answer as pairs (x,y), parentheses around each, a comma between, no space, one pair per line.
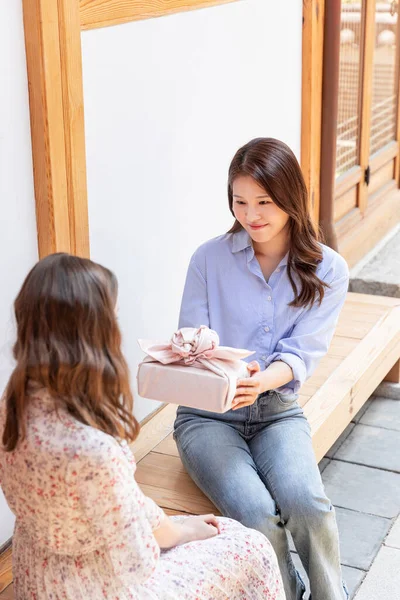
(69,342)
(275,168)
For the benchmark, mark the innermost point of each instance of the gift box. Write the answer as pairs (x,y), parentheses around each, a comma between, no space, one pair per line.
(191,370)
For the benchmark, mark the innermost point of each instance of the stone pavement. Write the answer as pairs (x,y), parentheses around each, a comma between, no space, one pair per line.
(361,473)
(379,271)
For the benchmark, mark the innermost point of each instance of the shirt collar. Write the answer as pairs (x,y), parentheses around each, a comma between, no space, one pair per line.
(284,261)
(241,240)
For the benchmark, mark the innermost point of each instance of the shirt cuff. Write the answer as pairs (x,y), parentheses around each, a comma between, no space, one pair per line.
(295,363)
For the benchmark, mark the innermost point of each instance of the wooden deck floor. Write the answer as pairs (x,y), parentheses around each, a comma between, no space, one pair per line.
(365,347)
(6,589)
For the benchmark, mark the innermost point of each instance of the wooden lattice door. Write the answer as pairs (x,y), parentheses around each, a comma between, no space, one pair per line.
(367,155)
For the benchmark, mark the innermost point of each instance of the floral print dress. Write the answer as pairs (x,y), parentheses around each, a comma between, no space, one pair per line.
(84,528)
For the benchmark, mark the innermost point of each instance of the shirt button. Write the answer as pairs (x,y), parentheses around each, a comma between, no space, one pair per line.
(264,357)
(278,270)
(266,329)
(269,298)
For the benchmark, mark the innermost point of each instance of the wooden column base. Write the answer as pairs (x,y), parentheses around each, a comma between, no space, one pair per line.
(394,374)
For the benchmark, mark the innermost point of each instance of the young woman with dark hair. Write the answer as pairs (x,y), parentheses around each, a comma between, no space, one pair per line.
(270,286)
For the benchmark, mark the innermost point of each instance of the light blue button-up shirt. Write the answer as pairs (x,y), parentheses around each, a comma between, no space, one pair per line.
(226,290)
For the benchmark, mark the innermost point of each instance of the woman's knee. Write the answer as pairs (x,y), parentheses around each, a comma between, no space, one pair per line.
(255,513)
(308,510)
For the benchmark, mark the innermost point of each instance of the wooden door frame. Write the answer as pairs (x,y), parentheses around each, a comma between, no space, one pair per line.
(54,64)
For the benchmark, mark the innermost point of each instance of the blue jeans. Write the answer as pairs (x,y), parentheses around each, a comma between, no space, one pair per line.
(257,465)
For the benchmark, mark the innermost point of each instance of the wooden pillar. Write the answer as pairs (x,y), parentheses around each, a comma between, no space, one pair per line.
(53,52)
(330,89)
(311,98)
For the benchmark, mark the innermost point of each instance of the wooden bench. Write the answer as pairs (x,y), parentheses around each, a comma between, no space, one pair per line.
(365,350)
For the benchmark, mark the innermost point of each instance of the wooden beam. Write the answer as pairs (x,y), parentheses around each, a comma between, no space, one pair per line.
(311,98)
(52,40)
(102,13)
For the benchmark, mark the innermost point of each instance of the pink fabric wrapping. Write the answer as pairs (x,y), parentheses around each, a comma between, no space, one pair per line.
(191,370)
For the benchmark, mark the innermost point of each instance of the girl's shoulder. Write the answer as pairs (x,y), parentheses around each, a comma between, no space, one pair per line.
(333,266)
(209,249)
(217,243)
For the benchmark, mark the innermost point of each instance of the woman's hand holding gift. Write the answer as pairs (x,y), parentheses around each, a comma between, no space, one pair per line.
(277,374)
(248,390)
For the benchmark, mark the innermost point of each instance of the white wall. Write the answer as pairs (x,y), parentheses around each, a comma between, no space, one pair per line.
(167,103)
(18,244)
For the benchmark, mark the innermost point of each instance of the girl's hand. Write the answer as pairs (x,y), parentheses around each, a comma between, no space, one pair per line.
(199,528)
(248,390)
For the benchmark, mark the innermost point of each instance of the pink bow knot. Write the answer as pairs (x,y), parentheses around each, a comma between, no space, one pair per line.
(190,345)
